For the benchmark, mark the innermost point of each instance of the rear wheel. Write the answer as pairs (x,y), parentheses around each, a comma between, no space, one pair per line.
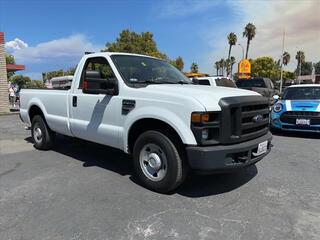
(42,135)
(157,162)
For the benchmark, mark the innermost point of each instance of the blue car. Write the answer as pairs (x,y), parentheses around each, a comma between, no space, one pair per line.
(298,110)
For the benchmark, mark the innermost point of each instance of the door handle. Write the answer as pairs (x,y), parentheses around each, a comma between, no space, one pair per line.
(74,101)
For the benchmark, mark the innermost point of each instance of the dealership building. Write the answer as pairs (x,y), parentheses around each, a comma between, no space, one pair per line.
(4,69)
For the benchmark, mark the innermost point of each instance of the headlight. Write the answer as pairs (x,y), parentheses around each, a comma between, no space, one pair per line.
(205,127)
(277,107)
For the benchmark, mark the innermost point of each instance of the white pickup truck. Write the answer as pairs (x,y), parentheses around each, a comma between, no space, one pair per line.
(147,108)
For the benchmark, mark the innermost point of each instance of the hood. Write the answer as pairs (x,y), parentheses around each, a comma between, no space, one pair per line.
(208,96)
(303,105)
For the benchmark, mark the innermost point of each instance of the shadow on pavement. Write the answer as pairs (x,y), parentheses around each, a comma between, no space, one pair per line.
(201,186)
(311,135)
(92,154)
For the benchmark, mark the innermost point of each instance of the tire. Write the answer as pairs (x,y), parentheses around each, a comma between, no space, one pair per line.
(42,135)
(150,148)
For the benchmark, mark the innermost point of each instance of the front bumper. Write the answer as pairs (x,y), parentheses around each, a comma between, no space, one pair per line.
(277,124)
(223,158)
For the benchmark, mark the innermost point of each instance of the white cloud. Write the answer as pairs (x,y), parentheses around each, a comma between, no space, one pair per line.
(299,19)
(15,44)
(70,47)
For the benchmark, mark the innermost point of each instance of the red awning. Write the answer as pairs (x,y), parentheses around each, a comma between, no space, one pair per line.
(14,67)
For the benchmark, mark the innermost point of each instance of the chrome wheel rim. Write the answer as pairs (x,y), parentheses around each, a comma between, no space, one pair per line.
(153,162)
(37,133)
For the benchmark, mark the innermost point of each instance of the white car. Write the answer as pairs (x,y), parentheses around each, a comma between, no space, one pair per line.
(216,81)
(147,108)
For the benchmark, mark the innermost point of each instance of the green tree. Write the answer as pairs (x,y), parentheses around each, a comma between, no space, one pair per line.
(223,64)
(217,66)
(249,33)
(57,73)
(178,63)
(232,62)
(317,67)
(34,84)
(194,68)
(300,57)
(20,80)
(232,40)
(306,68)
(48,75)
(285,58)
(265,67)
(132,42)
(10,60)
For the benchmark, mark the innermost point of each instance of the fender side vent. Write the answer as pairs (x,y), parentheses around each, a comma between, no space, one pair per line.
(127,106)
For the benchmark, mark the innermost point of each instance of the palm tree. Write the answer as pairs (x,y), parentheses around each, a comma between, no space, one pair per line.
(222,65)
(217,66)
(285,58)
(232,40)
(249,33)
(300,57)
(232,62)
(194,67)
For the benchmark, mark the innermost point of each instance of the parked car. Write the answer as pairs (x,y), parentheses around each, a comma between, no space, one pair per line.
(215,81)
(149,109)
(264,86)
(298,110)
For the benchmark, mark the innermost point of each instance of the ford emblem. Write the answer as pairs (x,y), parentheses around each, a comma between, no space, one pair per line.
(257,118)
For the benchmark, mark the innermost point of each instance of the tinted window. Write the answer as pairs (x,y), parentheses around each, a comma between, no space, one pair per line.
(99,64)
(146,70)
(251,83)
(225,82)
(204,82)
(300,93)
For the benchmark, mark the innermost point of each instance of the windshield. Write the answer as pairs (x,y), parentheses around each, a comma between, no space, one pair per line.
(225,82)
(251,83)
(301,93)
(146,70)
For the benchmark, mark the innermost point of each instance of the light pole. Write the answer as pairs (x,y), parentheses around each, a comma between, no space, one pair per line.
(281,70)
(242,50)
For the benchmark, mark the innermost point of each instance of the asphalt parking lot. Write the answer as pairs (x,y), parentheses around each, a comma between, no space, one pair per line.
(82,190)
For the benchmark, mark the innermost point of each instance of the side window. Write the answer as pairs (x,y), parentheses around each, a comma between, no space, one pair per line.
(100,65)
(204,82)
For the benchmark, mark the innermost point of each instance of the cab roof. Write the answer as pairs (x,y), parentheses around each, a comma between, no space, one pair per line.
(304,85)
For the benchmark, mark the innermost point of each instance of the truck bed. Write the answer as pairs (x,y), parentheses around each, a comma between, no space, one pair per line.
(55,102)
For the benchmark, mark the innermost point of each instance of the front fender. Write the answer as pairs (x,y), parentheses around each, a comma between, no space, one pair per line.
(164,115)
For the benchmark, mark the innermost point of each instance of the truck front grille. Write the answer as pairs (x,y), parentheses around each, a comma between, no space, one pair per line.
(243,118)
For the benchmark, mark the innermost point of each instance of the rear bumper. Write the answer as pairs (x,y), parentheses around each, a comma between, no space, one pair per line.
(225,158)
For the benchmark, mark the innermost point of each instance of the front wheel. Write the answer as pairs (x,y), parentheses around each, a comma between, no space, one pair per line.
(157,162)
(42,135)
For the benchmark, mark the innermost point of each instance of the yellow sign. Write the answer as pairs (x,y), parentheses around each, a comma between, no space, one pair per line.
(244,66)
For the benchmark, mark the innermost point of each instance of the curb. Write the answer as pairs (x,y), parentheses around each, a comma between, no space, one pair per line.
(8,113)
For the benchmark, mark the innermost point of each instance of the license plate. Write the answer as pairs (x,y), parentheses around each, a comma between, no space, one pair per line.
(303,121)
(262,148)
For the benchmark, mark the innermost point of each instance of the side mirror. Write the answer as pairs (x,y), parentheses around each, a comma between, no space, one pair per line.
(195,81)
(93,83)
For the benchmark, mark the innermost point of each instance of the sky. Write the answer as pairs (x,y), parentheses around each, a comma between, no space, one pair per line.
(49,35)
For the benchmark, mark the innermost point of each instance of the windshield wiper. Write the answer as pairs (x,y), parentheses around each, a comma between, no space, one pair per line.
(178,82)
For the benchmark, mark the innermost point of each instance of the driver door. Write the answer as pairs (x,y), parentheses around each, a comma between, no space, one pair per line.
(94,117)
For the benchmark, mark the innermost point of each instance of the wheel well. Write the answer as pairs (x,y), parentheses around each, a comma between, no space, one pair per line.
(146,124)
(35,110)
